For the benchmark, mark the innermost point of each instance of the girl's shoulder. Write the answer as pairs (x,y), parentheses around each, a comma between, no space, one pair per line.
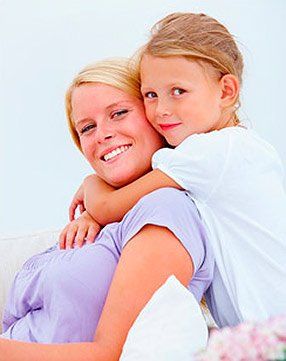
(226,137)
(219,139)
(233,144)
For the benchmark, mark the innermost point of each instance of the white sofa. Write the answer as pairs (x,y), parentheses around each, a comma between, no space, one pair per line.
(170,327)
(14,251)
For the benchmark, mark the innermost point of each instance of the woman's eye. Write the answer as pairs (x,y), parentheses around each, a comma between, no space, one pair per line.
(150,95)
(87,128)
(178,91)
(119,113)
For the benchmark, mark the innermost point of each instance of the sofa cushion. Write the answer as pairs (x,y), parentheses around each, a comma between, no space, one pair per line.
(170,327)
(14,251)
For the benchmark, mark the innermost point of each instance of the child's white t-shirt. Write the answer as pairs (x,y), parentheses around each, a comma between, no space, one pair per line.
(236,180)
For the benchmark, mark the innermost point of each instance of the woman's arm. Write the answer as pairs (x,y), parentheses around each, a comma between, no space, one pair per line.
(21,351)
(148,259)
(106,204)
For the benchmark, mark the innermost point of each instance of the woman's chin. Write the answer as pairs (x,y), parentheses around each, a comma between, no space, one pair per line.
(121,180)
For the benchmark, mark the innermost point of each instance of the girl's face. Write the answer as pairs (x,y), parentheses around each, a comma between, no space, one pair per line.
(181,97)
(115,136)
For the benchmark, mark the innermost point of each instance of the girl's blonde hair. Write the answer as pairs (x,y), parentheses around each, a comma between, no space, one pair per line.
(116,72)
(195,37)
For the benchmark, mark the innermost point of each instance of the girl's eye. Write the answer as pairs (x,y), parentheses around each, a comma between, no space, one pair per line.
(87,128)
(150,95)
(178,91)
(119,113)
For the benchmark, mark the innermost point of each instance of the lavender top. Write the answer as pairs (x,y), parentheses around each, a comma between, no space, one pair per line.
(58,295)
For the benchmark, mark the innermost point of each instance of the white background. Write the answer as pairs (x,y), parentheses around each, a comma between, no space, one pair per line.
(45,42)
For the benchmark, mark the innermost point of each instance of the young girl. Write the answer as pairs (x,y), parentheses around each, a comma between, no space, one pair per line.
(191,72)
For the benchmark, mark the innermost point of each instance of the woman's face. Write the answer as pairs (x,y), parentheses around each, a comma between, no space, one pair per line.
(115,136)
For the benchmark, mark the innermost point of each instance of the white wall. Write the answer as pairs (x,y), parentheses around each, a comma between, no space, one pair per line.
(44,42)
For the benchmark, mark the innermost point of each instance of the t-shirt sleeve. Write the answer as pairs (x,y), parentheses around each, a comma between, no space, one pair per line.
(161,208)
(197,164)
(174,210)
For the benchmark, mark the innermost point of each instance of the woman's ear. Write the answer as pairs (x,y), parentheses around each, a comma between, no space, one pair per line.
(229,89)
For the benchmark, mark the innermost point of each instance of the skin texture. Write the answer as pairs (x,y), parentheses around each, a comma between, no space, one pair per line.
(79,231)
(106,118)
(141,270)
(143,266)
(187,96)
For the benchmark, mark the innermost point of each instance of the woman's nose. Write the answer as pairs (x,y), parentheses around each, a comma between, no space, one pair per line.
(104,133)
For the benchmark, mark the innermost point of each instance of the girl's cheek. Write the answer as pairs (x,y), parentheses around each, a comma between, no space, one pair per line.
(149,113)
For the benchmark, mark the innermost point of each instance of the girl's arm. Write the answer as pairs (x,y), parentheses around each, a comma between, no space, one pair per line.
(146,262)
(106,204)
(78,232)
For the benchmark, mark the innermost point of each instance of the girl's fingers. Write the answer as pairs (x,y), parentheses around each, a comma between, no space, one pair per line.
(70,237)
(81,208)
(72,209)
(75,203)
(80,236)
(92,233)
(62,238)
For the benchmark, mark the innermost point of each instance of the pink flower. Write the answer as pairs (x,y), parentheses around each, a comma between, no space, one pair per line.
(248,341)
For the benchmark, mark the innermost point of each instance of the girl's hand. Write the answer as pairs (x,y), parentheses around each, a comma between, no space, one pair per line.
(79,231)
(78,201)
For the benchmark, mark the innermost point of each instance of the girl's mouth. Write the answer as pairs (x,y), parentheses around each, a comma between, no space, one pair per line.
(168,126)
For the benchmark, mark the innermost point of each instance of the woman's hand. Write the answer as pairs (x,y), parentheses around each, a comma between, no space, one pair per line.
(79,231)
(78,201)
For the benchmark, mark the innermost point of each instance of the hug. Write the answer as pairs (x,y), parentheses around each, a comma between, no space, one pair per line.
(179,187)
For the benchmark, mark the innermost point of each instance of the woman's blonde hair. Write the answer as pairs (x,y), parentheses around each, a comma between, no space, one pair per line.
(195,37)
(116,72)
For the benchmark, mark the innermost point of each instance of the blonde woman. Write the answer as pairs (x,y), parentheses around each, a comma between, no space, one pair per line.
(90,296)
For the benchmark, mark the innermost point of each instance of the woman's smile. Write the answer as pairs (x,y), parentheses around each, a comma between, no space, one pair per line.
(115,136)
(114,152)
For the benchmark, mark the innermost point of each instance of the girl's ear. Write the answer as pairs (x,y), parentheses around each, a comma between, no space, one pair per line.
(229,89)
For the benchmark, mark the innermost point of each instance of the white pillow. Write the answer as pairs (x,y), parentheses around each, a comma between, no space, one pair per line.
(14,251)
(170,327)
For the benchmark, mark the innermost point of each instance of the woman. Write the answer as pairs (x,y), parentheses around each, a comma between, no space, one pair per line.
(96,292)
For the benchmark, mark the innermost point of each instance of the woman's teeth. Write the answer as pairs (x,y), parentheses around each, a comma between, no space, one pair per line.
(115,152)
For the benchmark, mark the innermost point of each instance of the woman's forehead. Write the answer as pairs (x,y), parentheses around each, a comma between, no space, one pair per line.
(89,99)
(100,93)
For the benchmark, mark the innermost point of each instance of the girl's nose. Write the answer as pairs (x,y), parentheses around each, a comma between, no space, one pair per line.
(163,108)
